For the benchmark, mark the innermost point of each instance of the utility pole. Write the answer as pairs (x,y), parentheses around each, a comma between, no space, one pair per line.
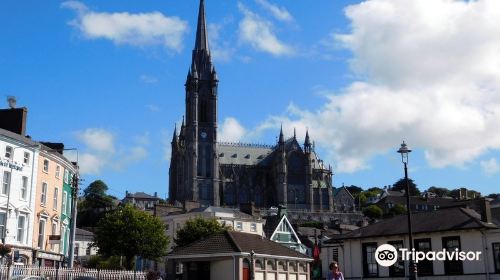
(74,196)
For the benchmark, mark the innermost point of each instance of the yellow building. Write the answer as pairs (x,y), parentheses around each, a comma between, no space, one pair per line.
(51,199)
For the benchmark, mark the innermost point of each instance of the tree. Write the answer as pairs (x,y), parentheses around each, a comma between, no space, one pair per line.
(127,231)
(197,228)
(373,211)
(440,192)
(94,204)
(401,185)
(397,209)
(354,190)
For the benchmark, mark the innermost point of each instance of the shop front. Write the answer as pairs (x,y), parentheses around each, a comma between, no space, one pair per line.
(48,259)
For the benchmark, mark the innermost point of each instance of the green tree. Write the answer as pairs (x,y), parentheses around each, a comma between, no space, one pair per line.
(129,232)
(354,190)
(197,228)
(440,192)
(94,204)
(373,211)
(401,185)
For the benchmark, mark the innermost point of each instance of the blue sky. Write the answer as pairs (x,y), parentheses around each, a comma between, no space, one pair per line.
(107,78)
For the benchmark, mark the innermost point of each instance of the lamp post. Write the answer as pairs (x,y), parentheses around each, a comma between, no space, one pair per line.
(412,267)
(9,186)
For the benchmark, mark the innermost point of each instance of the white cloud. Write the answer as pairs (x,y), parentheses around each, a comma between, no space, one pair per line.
(428,72)
(97,139)
(279,13)
(259,34)
(99,151)
(231,131)
(141,29)
(221,51)
(153,108)
(490,166)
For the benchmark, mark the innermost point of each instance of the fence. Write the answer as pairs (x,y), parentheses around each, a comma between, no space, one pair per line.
(53,273)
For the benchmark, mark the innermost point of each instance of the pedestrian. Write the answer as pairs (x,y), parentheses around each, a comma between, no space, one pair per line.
(334,273)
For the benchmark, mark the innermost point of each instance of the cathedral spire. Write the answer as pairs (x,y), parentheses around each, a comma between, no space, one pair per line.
(201,30)
(307,142)
(281,139)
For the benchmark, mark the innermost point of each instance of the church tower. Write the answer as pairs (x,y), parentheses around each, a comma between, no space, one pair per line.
(201,182)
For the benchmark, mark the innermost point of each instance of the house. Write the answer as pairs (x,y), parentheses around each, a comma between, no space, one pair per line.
(475,228)
(343,201)
(418,203)
(279,229)
(231,217)
(142,200)
(83,246)
(237,255)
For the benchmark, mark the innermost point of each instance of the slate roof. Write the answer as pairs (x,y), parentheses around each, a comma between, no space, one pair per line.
(215,209)
(243,154)
(272,223)
(448,219)
(141,195)
(417,200)
(235,242)
(83,235)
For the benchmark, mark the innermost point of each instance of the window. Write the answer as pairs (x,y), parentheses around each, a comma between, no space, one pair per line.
(88,250)
(496,256)
(24,187)
(21,223)
(26,159)
(2,222)
(370,267)
(66,176)
(239,226)
(56,194)
(58,171)
(253,227)
(424,267)
(452,267)
(41,234)
(259,265)
(64,201)
(45,165)
(53,232)
(62,233)
(6,181)
(8,152)
(398,269)
(43,198)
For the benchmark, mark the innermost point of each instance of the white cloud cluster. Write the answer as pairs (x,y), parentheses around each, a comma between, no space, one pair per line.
(231,131)
(490,167)
(428,72)
(280,13)
(99,151)
(259,33)
(141,29)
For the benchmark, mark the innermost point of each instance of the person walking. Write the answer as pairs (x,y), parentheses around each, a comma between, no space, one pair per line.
(334,273)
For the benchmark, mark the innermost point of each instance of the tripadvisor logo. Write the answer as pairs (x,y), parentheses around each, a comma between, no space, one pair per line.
(387,255)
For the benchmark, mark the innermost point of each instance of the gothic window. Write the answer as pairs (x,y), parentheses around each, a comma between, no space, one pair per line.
(205,192)
(243,195)
(203,112)
(229,195)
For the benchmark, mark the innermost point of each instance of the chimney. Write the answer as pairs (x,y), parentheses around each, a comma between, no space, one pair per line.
(281,211)
(14,119)
(485,210)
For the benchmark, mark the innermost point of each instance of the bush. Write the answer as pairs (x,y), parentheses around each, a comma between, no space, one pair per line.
(373,212)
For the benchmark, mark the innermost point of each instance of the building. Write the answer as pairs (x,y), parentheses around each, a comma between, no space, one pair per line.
(204,170)
(83,246)
(233,218)
(230,255)
(279,229)
(18,168)
(142,200)
(51,226)
(467,229)
(343,200)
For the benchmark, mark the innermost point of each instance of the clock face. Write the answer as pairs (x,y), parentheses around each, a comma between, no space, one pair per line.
(203,134)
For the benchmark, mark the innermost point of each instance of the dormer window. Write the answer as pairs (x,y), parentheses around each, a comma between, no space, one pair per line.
(8,152)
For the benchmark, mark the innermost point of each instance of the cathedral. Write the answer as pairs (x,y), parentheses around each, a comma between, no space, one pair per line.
(210,172)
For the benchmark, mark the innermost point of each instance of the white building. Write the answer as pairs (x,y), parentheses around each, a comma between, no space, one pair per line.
(234,218)
(467,229)
(83,246)
(18,167)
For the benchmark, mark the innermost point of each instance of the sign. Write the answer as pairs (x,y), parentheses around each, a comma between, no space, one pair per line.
(48,256)
(12,165)
(54,239)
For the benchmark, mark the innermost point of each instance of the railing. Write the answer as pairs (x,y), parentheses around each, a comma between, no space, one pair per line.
(53,273)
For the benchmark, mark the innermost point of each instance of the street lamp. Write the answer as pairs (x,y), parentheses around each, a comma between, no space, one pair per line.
(404,151)
(9,186)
